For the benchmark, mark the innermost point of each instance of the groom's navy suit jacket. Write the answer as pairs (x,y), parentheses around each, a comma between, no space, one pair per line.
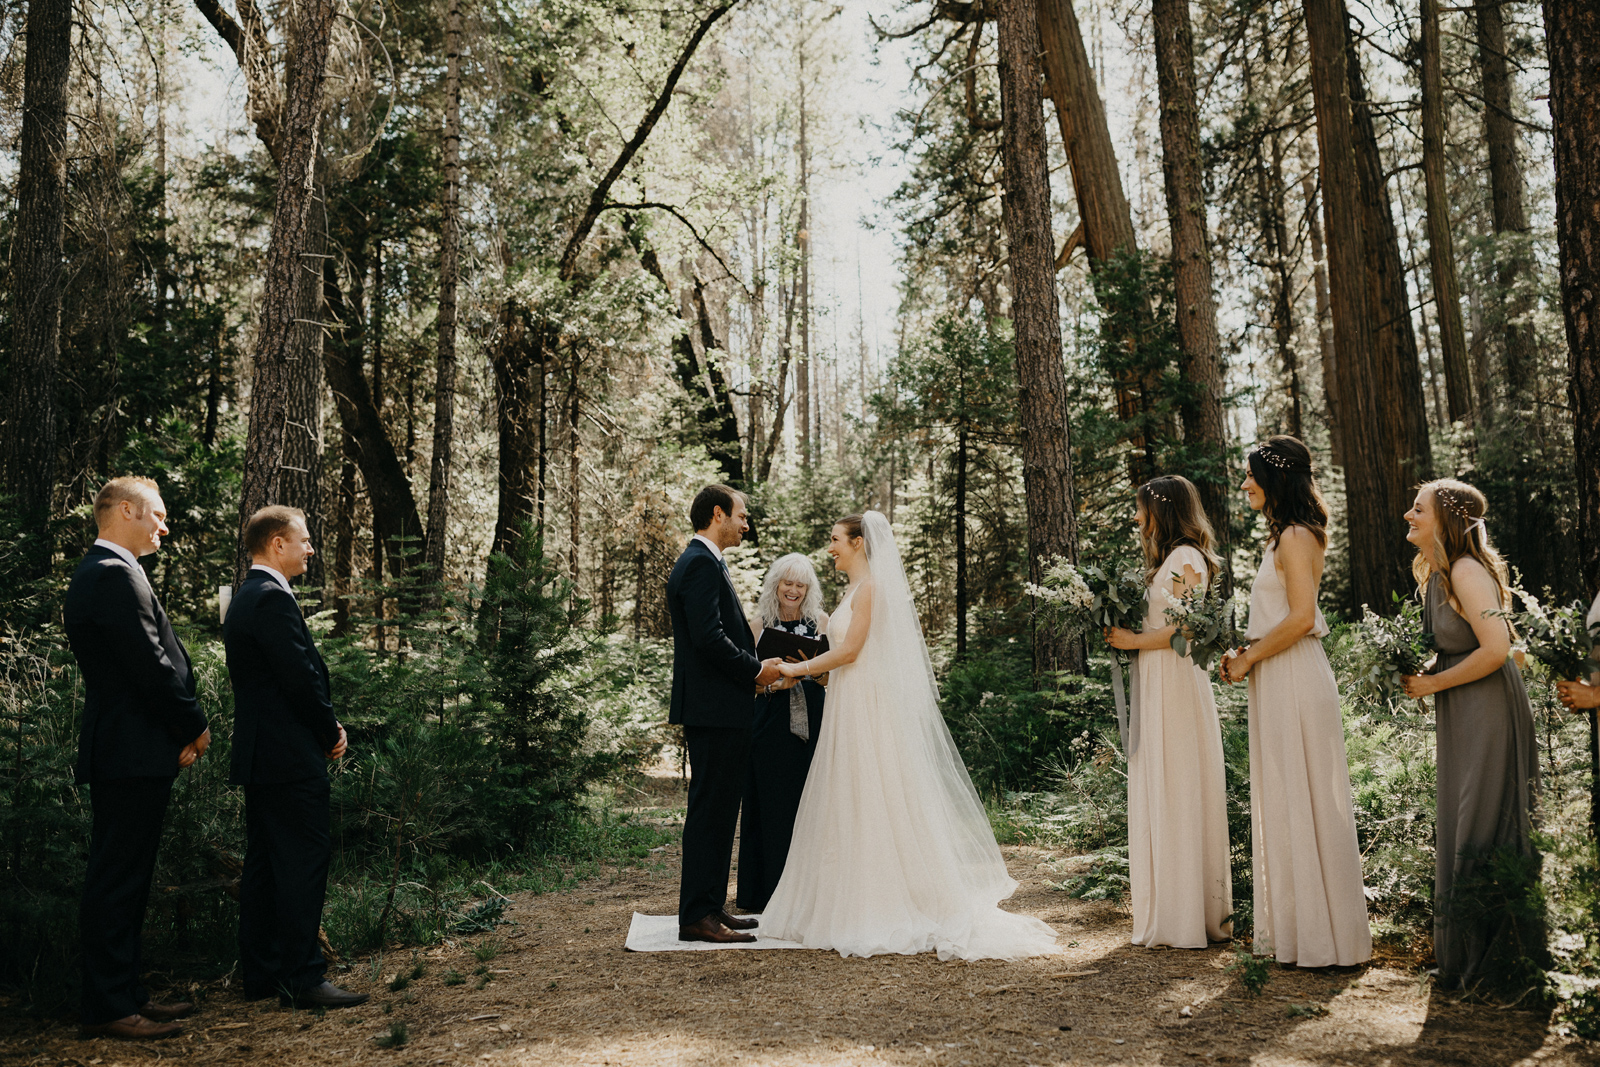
(139,707)
(283,713)
(714,664)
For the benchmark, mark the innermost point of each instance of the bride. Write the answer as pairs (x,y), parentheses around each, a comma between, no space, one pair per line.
(892,851)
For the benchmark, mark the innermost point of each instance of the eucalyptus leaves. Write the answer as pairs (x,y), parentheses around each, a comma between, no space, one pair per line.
(1090,597)
(1559,638)
(1391,648)
(1206,624)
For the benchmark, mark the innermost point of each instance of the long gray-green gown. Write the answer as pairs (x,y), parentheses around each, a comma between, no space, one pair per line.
(1488,773)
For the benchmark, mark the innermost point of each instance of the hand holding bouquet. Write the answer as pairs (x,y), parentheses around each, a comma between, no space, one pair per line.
(1392,649)
(1559,638)
(1207,624)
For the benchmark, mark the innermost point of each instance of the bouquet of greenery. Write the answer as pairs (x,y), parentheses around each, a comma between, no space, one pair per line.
(1090,597)
(1207,624)
(1392,648)
(1559,638)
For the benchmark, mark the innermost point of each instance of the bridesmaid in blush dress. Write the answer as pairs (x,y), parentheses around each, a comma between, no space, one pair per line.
(1488,755)
(1177,791)
(1310,904)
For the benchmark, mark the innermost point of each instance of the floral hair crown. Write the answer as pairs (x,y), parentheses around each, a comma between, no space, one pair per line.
(1457,506)
(1155,495)
(1278,459)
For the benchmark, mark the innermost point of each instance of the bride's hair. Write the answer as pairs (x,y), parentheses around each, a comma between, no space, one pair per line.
(796,568)
(1281,466)
(1458,510)
(1174,516)
(852,527)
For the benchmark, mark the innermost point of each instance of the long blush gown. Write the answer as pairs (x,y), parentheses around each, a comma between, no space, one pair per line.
(1177,792)
(1310,904)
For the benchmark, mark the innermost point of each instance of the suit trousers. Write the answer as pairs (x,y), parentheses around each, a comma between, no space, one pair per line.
(282,887)
(718,761)
(116,888)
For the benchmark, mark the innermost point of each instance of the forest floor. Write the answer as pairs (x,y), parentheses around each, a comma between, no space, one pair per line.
(560,989)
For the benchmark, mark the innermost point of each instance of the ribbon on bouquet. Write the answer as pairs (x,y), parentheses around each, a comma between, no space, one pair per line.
(1127,703)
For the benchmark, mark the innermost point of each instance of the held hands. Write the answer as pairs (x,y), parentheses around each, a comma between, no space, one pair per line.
(338,749)
(1418,686)
(769,672)
(1578,696)
(194,749)
(1236,665)
(1118,637)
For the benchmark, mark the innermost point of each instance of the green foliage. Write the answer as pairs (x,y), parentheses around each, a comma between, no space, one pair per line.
(1390,648)
(1105,877)
(1207,625)
(395,1037)
(1252,971)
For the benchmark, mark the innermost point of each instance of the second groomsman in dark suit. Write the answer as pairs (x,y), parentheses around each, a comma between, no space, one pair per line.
(141,724)
(284,733)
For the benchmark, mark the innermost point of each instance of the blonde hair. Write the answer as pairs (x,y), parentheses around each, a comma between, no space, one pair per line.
(135,489)
(1459,530)
(1174,516)
(796,567)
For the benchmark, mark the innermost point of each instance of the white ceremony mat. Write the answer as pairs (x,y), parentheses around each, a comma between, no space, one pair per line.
(659,933)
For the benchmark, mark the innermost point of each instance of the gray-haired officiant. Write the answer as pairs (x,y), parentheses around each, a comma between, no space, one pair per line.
(787,722)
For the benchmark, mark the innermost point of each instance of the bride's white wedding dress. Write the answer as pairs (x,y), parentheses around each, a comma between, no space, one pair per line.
(892,851)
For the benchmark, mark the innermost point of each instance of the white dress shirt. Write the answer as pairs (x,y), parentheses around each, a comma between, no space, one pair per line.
(712,545)
(128,557)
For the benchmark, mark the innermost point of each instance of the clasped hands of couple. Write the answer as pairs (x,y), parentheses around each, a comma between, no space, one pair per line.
(779,674)
(1235,665)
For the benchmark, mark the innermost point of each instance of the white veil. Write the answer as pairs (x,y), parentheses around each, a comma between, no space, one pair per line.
(892,850)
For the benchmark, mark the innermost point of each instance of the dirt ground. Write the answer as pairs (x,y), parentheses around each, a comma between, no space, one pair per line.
(560,989)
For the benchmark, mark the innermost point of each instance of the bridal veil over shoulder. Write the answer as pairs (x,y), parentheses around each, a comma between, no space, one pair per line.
(892,851)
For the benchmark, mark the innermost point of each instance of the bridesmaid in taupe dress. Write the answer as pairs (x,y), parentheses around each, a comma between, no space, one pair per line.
(1488,760)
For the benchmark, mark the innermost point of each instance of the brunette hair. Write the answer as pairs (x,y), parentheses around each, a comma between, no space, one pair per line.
(1174,516)
(1281,466)
(267,523)
(133,488)
(852,526)
(707,501)
(1459,510)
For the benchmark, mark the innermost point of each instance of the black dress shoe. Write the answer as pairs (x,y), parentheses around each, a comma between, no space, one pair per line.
(166,1013)
(132,1028)
(326,995)
(733,923)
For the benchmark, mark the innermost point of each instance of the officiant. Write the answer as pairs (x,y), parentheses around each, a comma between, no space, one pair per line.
(787,722)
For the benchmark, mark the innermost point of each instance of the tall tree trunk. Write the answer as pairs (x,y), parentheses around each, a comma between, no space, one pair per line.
(269,397)
(444,389)
(1572,36)
(1372,471)
(300,483)
(1201,348)
(724,422)
(961,540)
(1275,234)
(1441,249)
(1399,371)
(28,435)
(802,369)
(1324,304)
(1514,257)
(1103,210)
(1042,385)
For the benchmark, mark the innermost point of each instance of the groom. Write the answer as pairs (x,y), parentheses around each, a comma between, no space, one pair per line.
(715,674)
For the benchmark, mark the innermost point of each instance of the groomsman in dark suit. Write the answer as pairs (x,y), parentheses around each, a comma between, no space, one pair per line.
(715,674)
(284,733)
(141,724)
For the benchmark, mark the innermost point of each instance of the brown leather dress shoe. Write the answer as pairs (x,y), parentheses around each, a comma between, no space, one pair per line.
(165,1013)
(711,929)
(735,923)
(132,1028)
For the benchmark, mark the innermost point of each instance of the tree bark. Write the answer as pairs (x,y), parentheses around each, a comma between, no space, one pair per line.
(1572,35)
(1373,474)
(1042,385)
(269,399)
(1324,305)
(300,483)
(444,389)
(28,435)
(1512,253)
(1441,249)
(1201,348)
